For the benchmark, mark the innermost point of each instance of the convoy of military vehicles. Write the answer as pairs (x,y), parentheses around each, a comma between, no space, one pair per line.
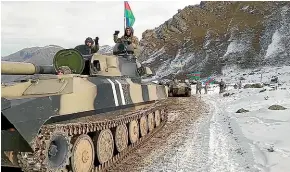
(83,113)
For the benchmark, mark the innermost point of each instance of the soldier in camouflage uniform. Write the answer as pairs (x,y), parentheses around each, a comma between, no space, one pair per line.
(198,87)
(206,88)
(222,86)
(128,36)
(240,85)
(89,47)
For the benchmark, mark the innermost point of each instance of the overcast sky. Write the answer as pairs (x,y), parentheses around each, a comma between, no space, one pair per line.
(28,24)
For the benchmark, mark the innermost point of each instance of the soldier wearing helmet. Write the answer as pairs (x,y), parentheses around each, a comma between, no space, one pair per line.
(128,36)
(90,46)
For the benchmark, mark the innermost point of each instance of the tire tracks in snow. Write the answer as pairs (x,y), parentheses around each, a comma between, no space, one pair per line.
(228,149)
(199,137)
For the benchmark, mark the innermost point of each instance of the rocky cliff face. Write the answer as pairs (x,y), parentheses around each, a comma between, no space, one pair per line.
(208,36)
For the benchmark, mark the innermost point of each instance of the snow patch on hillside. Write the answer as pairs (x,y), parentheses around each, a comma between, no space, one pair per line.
(233,74)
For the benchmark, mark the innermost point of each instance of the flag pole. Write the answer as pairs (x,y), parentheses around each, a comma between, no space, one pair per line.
(124,24)
(124,15)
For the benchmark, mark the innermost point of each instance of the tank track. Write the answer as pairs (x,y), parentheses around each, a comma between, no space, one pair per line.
(36,161)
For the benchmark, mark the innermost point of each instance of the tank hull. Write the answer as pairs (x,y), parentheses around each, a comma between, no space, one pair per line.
(179,90)
(90,115)
(71,99)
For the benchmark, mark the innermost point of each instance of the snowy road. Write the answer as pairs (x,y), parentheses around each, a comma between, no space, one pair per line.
(213,138)
(226,153)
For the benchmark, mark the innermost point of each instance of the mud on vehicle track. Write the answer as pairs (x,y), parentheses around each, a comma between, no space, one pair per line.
(180,112)
(137,155)
(108,154)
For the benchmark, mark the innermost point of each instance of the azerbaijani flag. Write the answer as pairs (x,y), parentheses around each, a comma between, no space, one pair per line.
(209,80)
(194,75)
(128,14)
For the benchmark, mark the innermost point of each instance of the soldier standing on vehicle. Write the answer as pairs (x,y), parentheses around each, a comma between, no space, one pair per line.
(90,47)
(130,38)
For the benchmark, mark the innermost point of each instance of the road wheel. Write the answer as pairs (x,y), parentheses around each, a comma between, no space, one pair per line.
(121,137)
(133,131)
(157,118)
(151,122)
(83,154)
(104,146)
(143,126)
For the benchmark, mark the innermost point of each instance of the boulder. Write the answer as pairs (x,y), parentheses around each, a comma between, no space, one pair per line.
(277,107)
(242,110)
(257,85)
(242,78)
(226,94)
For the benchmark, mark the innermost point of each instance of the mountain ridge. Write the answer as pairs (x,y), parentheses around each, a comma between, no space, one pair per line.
(210,35)
(207,37)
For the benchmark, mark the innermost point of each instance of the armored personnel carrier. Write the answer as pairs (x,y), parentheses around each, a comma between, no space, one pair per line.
(84,113)
(178,89)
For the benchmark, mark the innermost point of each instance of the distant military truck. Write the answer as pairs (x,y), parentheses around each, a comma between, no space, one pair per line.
(178,89)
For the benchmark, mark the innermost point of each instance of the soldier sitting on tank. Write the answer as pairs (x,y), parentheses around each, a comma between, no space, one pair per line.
(129,38)
(89,47)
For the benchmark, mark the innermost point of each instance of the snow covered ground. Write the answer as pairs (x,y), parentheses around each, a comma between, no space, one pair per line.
(261,134)
(214,138)
(254,141)
(232,74)
(223,140)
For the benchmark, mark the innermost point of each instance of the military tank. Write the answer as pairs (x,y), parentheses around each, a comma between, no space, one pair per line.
(179,89)
(85,113)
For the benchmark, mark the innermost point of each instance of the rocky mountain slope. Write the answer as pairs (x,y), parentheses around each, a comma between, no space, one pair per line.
(43,55)
(207,37)
(35,55)
(210,35)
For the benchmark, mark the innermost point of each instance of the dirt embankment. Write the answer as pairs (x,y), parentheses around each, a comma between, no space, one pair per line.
(182,111)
